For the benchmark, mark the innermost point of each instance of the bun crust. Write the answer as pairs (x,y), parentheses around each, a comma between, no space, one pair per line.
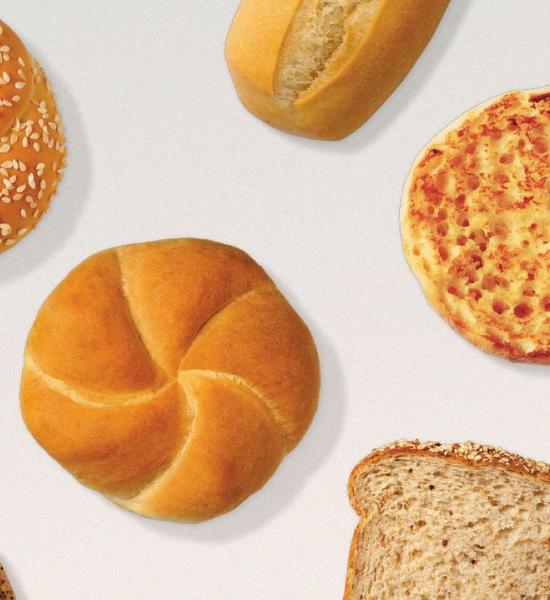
(32,143)
(475,222)
(171,376)
(321,69)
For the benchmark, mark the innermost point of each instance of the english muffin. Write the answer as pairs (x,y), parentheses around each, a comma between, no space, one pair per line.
(476,225)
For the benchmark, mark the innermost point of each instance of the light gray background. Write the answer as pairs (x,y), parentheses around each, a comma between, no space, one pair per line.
(160,147)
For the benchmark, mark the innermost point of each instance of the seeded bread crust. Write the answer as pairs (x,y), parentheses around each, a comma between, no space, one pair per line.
(6,591)
(468,453)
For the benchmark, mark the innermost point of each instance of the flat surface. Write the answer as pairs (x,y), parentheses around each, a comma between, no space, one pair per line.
(160,147)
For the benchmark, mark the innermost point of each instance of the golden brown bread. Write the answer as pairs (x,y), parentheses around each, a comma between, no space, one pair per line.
(6,591)
(475,225)
(32,143)
(321,68)
(171,376)
(450,521)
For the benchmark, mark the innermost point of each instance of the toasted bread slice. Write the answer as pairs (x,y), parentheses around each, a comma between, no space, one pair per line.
(456,521)
(476,225)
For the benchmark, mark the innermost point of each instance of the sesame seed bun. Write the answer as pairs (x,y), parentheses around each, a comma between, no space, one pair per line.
(32,143)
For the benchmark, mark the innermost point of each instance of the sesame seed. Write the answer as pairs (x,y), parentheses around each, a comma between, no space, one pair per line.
(5,229)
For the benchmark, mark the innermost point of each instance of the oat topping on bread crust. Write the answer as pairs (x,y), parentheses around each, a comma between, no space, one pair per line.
(468,451)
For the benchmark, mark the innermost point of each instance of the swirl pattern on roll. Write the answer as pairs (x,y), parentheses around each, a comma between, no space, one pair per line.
(171,376)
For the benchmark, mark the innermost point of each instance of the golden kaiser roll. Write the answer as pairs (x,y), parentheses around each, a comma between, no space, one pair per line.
(321,68)
(475,225)
(171,376)
(32,143)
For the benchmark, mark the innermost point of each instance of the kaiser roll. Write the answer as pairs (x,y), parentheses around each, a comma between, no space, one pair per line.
(171,376)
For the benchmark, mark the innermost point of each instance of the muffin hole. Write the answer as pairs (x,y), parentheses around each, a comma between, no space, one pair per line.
(499,306)
(477,261)
(460,201)
(475,294)
(453,291)
(502,178)
(522,310)
(540,146)
(462,221)
(442,229)
(506,158)
(473,181)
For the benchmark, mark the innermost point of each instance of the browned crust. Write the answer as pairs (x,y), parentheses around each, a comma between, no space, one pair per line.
(468,453)
(6,591)
(179,413)
(352,560)
(367,76)
(32,142)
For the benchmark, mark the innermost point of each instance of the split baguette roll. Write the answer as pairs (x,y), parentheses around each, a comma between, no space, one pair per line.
(32,143)
(449,522)
(475,223)
(6,591)
(321,68)
(171,376)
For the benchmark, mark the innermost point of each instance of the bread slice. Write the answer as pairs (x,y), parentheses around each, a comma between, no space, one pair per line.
(460,521)
(475,225)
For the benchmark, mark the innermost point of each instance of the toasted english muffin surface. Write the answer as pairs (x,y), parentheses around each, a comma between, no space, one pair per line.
(476,225)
